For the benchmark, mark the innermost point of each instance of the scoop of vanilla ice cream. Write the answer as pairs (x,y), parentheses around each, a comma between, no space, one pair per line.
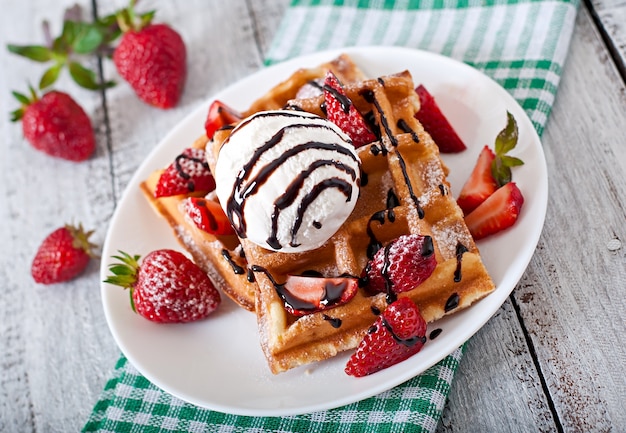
(287,179)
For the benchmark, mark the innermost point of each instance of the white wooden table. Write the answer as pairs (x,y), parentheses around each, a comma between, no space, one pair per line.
(551,359)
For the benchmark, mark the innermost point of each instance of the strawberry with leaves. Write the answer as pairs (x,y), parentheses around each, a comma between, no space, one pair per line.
(63,255)
(152,58)
(55,124)
(165,287)
(490,200)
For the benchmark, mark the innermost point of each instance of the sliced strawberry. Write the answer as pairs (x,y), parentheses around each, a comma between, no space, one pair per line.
(188,173)
(398,333)
(497,213)
(341,111)
(402,265)
(481,183)
(436,123)
(208,216)
(220,115)
(305,295)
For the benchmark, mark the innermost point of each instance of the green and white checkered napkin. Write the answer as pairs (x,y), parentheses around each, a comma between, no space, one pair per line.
(521,44)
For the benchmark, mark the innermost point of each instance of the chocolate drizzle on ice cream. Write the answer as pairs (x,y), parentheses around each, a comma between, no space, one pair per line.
(287,179)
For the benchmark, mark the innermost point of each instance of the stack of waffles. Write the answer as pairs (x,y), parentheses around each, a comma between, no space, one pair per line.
(404,190)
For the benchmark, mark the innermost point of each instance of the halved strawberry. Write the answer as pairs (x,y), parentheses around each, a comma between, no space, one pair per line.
(305,294)
(398,333)
(498,212)
(400,266)
(188,173)
(481,183)
(208,216)
(492,169)
(436,123)
(341,111)
(219,116)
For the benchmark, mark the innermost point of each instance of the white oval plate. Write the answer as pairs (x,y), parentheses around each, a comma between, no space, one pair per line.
(217,363)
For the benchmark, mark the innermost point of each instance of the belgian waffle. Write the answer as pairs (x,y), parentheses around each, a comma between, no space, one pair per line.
(405,192)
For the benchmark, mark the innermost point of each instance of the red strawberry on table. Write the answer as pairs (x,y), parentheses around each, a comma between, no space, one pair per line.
(188,173)
(400,266)
(152,58)
(498,212)
(341,111)
(208,215)
(398,333)
(436,123)
(56,125)
(220,115)
(62,255)
(166,287)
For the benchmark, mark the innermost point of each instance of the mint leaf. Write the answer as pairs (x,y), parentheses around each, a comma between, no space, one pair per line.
(507,138)
(505,142)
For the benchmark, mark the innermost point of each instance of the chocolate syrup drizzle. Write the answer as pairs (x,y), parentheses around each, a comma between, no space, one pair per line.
(332,292)
(182,173)
(335,322)
(246,186)
(404,127)
(408,342)
(452,302)
(236,268)
(435,333)
(460,250)
(374,244)
(370,97)
(344,101)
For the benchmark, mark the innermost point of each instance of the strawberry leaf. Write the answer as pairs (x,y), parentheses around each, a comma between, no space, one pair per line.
(511,161)
(50,76)
(24,101)
(505,142)
(21,98)
(146,18)
(17,114)
(507,138)
(83,76)
(37,53)
(501,173)
(88,39)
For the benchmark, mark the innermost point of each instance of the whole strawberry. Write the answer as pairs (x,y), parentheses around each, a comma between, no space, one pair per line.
(398,333)
(62,255)
(152,58)
(166,287)
(55,124)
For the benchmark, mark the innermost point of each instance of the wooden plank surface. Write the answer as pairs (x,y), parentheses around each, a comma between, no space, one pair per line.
(549,360)
(570,302)
(610,17)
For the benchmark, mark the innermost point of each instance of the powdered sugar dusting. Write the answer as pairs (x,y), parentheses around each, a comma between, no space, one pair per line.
(171,288)
(447,236)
